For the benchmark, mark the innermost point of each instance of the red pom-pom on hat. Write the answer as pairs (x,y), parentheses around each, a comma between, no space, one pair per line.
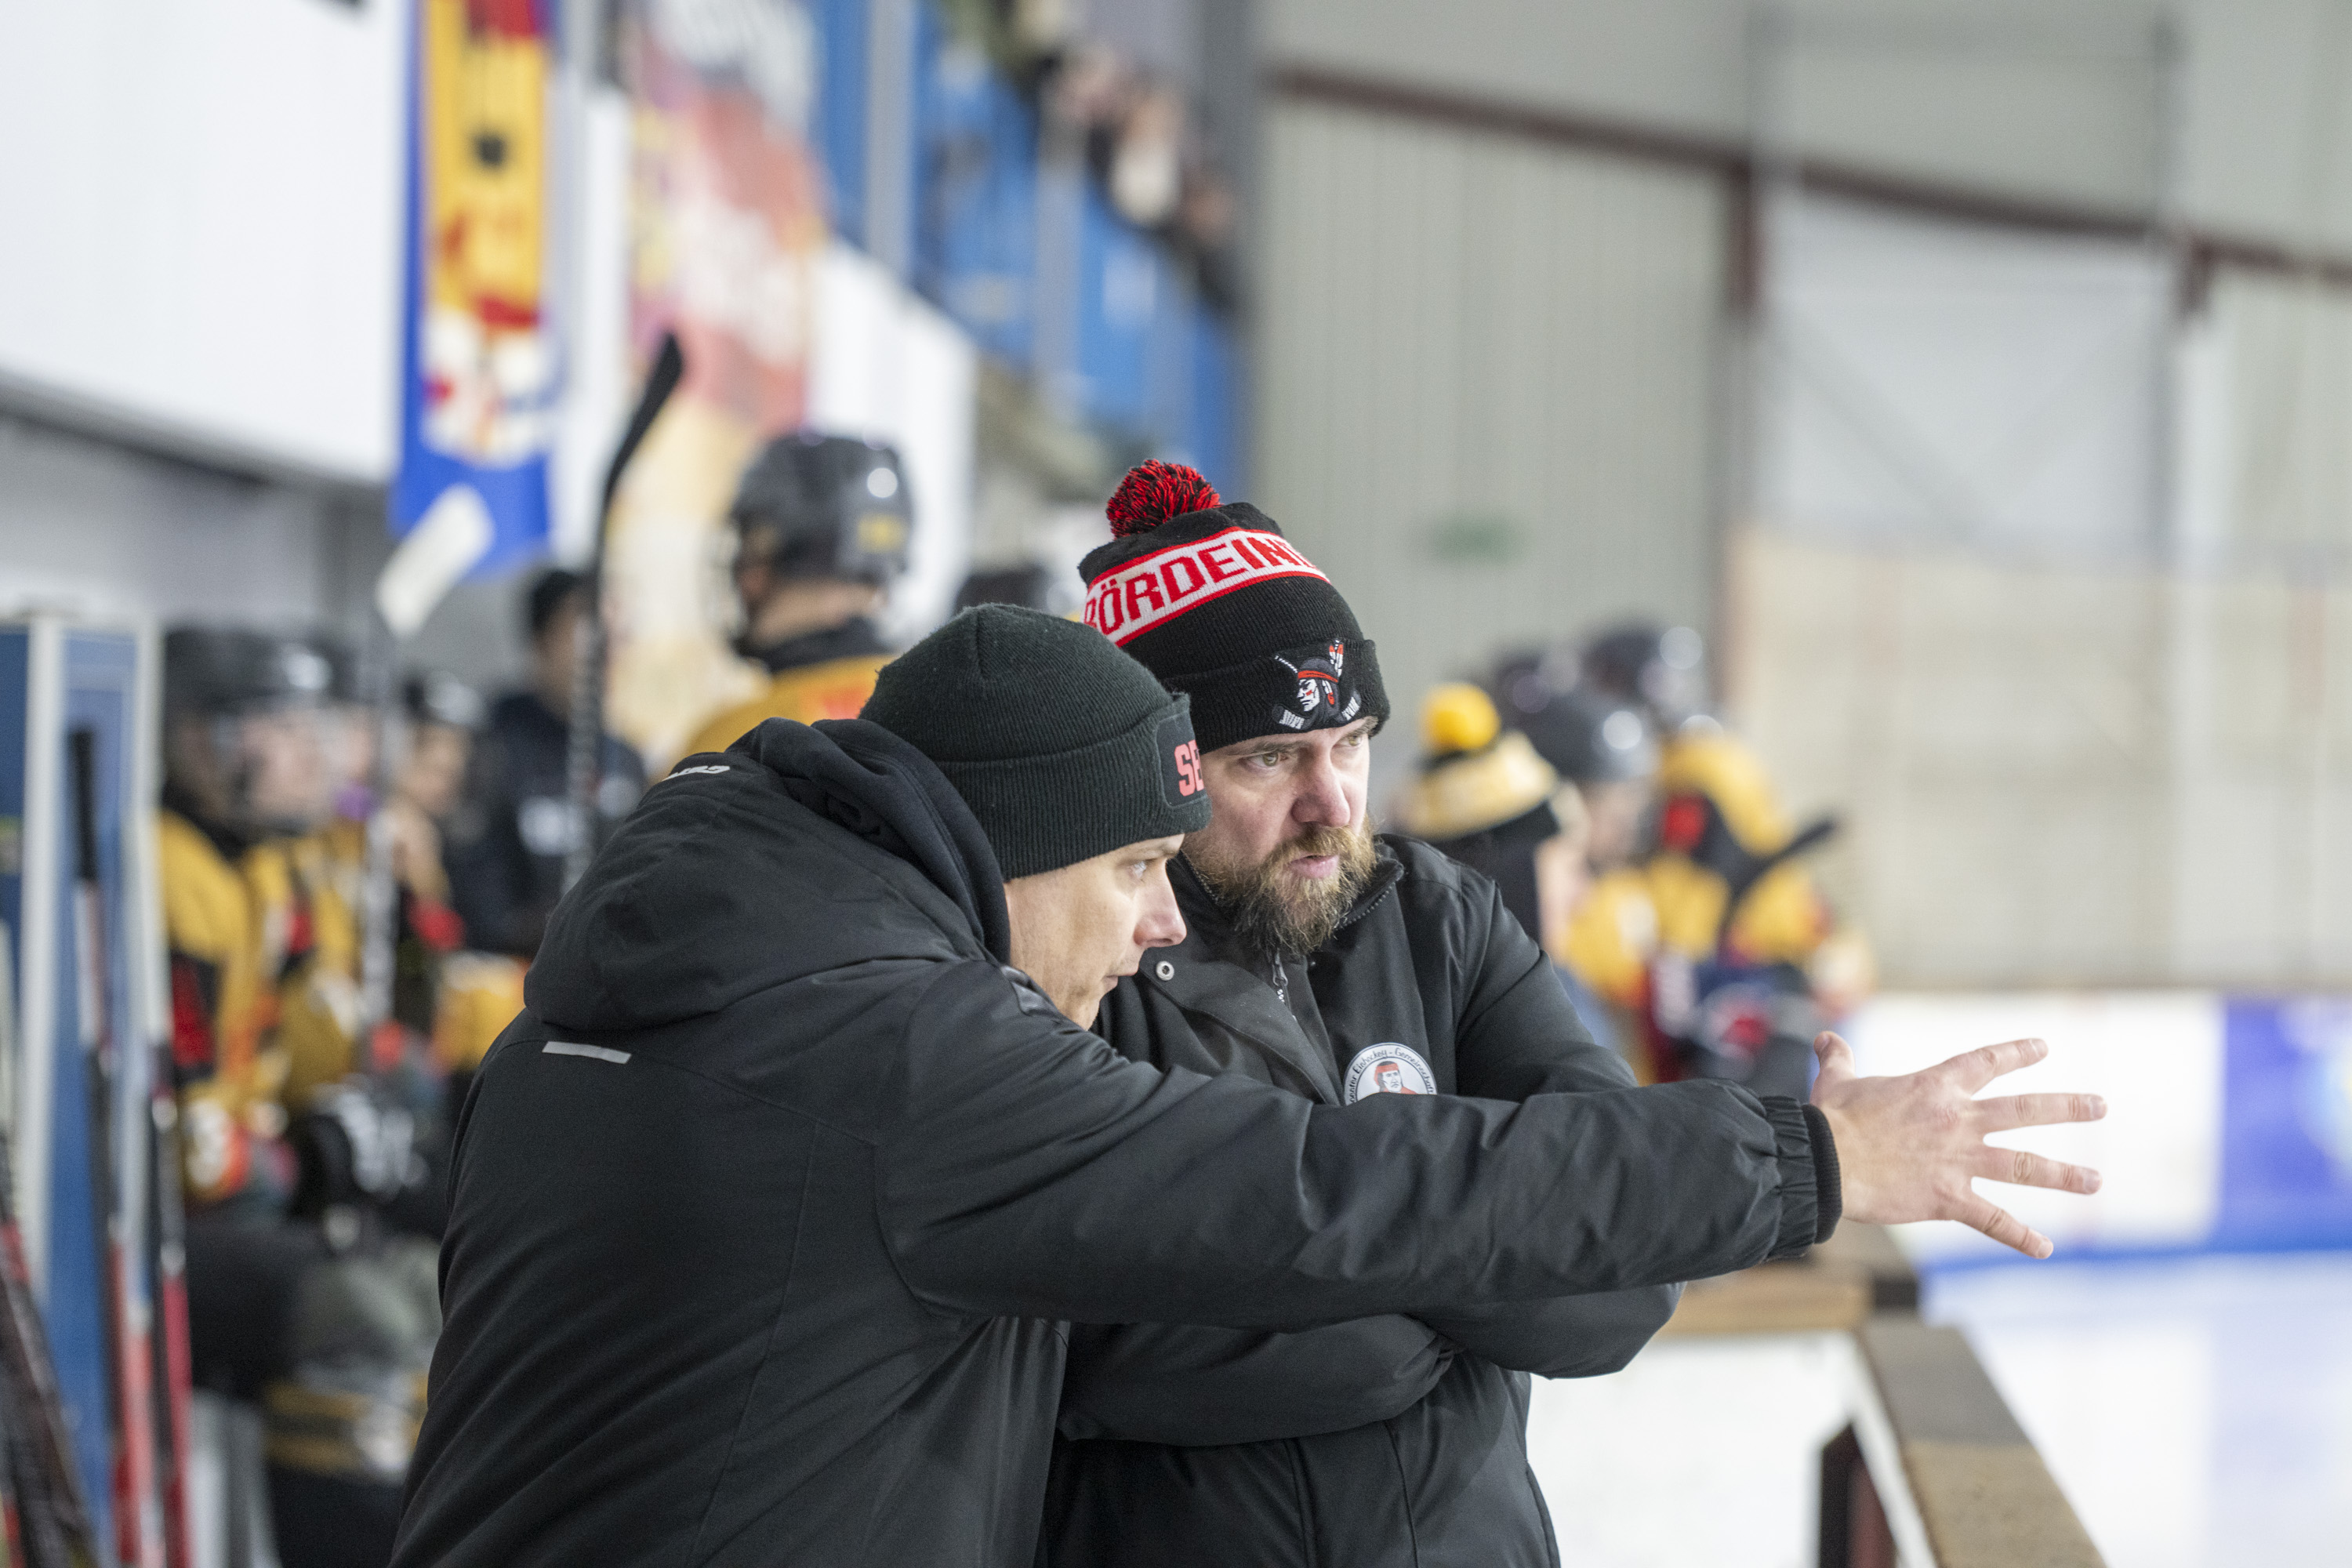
(1154,491)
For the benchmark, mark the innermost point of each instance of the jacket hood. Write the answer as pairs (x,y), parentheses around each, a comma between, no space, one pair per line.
(721,882)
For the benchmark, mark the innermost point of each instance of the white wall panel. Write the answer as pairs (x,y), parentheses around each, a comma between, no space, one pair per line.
(91,526)
(1941,381)
(2051,100)
(2061,101)
(2061,774)
(202,203)
(2268,118)
(1486,398)
(2285,367)
(1669,62)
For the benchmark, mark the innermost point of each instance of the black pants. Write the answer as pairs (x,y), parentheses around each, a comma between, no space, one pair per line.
(243,1280)
(322,1521)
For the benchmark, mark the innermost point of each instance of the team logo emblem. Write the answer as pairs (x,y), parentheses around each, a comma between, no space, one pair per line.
(1319,679)
(1390,1069)
(1179,761)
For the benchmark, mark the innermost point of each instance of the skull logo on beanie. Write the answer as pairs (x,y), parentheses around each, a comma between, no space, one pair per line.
(1214,601)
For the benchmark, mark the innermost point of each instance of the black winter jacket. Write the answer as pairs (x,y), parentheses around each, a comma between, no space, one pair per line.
(1390,1442)
(508,845)
(767,1211)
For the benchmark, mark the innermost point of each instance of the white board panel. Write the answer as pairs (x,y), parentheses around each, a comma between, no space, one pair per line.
(202,205)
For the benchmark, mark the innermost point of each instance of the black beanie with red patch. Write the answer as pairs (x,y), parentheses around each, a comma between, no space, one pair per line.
(1216,602)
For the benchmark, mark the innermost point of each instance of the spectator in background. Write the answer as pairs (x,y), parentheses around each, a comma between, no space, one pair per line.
(509,840)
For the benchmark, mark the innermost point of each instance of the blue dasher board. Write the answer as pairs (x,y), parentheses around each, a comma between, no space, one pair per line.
(57,677)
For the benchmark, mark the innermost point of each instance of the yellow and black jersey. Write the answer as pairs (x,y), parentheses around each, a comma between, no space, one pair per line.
(228,931)
(836,688)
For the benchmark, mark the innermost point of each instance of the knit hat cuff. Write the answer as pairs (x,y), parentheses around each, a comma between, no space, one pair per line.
(1259,697)
(1042,813)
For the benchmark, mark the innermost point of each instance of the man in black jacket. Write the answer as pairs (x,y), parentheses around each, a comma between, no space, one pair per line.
(767,1211)
(1338,965)
(518,822)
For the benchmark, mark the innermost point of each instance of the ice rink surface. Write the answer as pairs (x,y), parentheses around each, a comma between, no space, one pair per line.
(1704,1451)
(2196,1411)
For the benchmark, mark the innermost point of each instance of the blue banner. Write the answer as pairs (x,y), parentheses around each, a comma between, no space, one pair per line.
(480,368)
(2286,1131)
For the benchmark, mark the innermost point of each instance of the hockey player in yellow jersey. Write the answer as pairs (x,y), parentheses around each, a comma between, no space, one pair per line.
(246,768)
(1723,869)
(824,524)
(432,741)
(318,874)
(288,1308)
(1711,940)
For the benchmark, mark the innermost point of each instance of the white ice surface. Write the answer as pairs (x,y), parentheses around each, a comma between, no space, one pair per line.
(1702,1451)
(2197,1412)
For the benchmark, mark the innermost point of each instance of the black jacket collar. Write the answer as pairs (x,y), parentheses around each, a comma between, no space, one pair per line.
(720,882)
(1211,973)
(846,641)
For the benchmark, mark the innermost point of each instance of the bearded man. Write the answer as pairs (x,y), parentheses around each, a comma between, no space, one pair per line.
(1337,964)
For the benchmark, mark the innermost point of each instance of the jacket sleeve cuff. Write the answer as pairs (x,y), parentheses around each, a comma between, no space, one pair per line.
(1808,1181)
(1828,1189)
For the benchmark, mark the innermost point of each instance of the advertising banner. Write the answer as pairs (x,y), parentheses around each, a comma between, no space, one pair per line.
(479,361)
(728,224)
(2286,1135)
(2228,1125)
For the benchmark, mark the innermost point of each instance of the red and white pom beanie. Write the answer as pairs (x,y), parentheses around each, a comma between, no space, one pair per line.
(1216,602)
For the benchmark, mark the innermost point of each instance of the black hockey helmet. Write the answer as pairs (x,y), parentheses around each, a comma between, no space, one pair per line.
(1587,734)
(812,505)
(437,697)
(1660,668)
(346,677)
(222,671)
(1593,738)
(1030,585)
(1525,683)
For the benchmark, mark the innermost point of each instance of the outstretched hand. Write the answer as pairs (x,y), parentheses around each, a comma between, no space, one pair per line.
(1908,1147)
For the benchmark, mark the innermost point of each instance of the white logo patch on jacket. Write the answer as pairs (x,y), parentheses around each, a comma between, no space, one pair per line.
(1387,1069)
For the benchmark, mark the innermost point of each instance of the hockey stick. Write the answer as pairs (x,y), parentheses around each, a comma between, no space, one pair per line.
(12,1518)
(129,1356)
(175,1364)
(53,1520)
(585,743)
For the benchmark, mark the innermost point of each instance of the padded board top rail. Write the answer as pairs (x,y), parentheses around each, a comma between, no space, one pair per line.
(1979,1488)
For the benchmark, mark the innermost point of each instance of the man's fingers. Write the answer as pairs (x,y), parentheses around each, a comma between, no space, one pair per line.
(2038,1110)
(2018,1168)
(1974,1069)
(2004,1228)
(1837,1061)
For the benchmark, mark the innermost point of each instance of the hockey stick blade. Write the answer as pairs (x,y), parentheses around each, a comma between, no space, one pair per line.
(668,370)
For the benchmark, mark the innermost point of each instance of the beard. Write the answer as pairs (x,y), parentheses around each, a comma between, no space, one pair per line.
(1274,912)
